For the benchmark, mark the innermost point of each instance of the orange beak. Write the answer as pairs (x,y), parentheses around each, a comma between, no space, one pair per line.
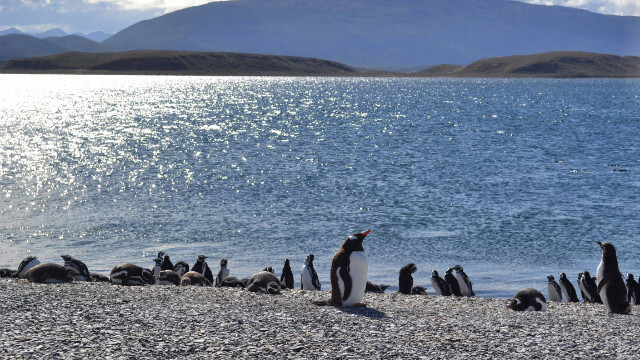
(366,233)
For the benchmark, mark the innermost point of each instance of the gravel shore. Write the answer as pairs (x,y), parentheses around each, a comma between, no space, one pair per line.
(99,320)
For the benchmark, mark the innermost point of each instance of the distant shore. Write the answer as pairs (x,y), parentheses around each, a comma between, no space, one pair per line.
(99,320)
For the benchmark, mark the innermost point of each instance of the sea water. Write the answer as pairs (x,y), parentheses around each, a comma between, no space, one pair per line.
(512,179)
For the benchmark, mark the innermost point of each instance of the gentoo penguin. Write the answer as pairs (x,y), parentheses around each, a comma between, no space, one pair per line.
(131,275)
(194,278)
(611,287)
(181,268)
(349,269)
(157,268)
(49,273)
(555,293)
(309,278)
(633,290)
(528,300)
(27,264)
(202,267)
(286,279)
(590,288)
(466,287)
(374,288)
(79,269)
(583,292)
(231,281)
(439,285)
(405,280)
(452,282)
(568,290)
(168,277)
(222,273)
(264,282)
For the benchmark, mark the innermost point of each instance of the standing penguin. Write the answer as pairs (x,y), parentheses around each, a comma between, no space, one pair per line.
(349,269)
(553,289)
(26,265)
(286,279)
(166,261)
(452,282)
(568,290)
(583,292)
(465,284)
(157,268)
(79,269)
(590,287)
(611,287)
(405,279)
(202,267)
(633,290)
(309,278)
(439,285)
(528,300)
(222,273)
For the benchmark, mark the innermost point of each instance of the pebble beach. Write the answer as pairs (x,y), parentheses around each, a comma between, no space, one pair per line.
(104,321)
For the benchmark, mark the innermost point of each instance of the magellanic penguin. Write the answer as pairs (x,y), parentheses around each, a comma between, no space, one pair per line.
(375,288)
(26,265)
(202,267)
(568,290)
(181,268)
(555,293)
(264,282)
(528,300)
(194,278)
(611,287)
(452,282)
(8,273)
(405,279)
(232,281)
(168,277)
(286,279)
(222,273)
(49,273)
(583,292)
(590,288)
(131,275)
(308,277)
(166,261)
(466,287)
(439,285)
(157,268)
(80,269)
(633,290)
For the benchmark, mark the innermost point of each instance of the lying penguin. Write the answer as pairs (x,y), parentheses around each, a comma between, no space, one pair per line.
(528,300)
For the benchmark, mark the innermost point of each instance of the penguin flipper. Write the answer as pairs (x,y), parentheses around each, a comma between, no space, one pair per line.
(346,279)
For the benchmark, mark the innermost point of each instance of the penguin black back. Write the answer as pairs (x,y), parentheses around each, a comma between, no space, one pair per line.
(611,287)
(286,278)
(452,282)
(567,288)
(405,279)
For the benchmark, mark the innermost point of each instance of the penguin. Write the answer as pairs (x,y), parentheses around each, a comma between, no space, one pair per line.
(553,289)
(309,278)
(611,287)
(194,278)
(8,273)
(131,275)
(286,279)
(168,277)
(264,282)
(583,292)
(95,277)
(231,281)
(349,269)
(439,285)
(166,262)
(405,280)
(528,300)
(374,288)
(49,273)
(633,290)
(418,290)
(590,287)
(26,265)
(181,268)
(452,282)
(269,269)
(202,267)
(79,269)
(222,273)
(157,268)
(568,290)
(465,284)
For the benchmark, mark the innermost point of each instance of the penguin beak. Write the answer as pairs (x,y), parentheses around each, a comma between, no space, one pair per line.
(364,234)
(599,243)
(508,306)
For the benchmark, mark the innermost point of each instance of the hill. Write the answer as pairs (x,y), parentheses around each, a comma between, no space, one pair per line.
(176,63)
(24,46)
(383,34)
(552,64)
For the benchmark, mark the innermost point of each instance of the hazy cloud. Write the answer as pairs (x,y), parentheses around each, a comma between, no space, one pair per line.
(612,7)
(162,5)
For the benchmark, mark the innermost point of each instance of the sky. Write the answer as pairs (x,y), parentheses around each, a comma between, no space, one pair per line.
(111,16)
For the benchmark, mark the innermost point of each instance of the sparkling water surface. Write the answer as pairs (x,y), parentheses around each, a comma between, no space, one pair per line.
(513,179)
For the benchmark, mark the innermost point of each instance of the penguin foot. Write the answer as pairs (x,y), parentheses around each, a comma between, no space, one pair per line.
(323,303)
(359,305)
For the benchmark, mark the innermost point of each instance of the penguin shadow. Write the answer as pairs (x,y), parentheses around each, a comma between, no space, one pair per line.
(364,312)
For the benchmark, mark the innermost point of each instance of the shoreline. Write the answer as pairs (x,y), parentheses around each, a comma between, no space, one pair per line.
(100,320)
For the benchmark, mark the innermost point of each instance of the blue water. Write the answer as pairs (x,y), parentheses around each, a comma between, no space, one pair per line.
(513,179)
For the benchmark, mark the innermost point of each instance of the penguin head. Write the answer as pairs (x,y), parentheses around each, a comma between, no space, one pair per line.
(580,276)
(354,242)
(147,276)
(630,276)
(607,249)
(286,263)
(201,258)
(562,275)
(449,271)
(550,278)
(457,268)
(67,258)
(516,304)
(310,258)
(269,269)
(586,274)
(409,269)
(223,263)
(163,275)
(273,288)
(166,258)
(434,273)
(158,261)
(185,281)
(161,254)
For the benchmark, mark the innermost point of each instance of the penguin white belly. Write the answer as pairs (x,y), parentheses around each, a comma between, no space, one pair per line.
(358,268)
(600,273)
(307,283)
(464,289)
(553,293)
(436,287)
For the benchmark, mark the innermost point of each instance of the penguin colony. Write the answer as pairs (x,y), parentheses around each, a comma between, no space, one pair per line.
(348,276)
